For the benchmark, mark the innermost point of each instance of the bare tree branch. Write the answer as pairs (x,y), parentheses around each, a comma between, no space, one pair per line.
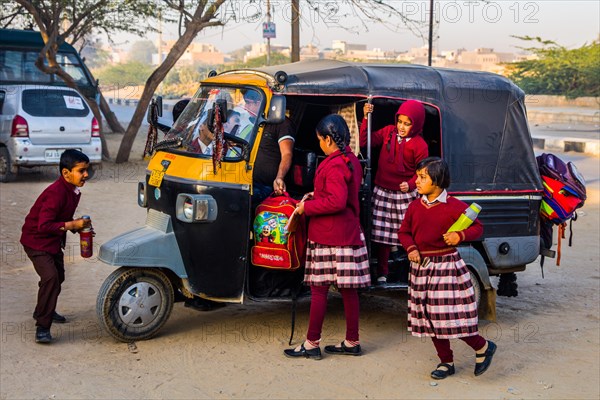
(32,10)
(8,18)
(203,17)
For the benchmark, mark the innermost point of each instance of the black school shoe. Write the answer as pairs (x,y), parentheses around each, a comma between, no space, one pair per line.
(56,317)
(59,319)
(344,350)
(42,335)
(481,367)
(315,353)
(442,373)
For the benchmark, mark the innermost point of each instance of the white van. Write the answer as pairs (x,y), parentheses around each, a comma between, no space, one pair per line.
(37,123)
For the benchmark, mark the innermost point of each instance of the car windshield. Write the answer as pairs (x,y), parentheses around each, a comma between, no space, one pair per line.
(191,128)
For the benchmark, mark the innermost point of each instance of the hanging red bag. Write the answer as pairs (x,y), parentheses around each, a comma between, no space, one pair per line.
(278,242)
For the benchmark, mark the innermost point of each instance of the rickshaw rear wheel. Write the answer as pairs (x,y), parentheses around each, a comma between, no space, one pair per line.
(134,303)
(476,286)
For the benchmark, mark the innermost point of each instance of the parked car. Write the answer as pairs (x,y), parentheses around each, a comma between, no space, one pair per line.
(37,123)
(20,48)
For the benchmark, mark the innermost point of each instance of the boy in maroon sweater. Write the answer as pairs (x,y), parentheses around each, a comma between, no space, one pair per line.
(44,233)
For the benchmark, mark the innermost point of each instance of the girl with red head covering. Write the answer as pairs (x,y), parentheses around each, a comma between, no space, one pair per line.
(402,148)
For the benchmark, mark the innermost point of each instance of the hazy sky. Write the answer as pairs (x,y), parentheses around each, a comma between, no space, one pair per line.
(462,23)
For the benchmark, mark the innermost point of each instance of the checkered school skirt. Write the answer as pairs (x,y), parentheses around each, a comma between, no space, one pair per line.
(389,207)
(346,267)
(441,299)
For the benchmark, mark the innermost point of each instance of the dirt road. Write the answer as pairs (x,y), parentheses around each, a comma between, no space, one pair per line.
(548,337)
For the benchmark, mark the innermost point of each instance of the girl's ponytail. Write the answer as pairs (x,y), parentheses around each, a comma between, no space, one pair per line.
(335,126)
(341,144)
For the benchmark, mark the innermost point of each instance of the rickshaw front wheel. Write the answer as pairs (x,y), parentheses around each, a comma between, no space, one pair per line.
(134,303)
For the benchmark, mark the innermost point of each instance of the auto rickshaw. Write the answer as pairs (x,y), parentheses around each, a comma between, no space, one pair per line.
(197,235)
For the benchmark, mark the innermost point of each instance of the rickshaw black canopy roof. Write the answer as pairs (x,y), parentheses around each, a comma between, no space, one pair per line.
(485,135)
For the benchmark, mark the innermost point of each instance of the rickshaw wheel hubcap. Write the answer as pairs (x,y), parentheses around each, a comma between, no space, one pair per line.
(140,304)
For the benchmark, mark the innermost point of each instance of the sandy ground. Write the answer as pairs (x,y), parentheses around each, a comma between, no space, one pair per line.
(548,337)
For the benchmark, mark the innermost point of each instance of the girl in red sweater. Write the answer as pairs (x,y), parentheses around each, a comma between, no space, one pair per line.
(441,299)
(336,253)
(402,147)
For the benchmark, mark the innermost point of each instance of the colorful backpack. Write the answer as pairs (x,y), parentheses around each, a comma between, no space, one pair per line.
(564,188)
(276,244)
(564,193)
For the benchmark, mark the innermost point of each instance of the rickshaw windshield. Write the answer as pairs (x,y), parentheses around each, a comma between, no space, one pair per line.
(191,128)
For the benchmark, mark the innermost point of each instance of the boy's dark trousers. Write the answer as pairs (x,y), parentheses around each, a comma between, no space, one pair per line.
(51,269)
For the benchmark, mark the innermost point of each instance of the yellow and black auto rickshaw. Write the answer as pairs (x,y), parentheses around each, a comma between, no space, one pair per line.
(196,239)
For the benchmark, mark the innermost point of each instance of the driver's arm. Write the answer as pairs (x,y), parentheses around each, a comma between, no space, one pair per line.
(286,147)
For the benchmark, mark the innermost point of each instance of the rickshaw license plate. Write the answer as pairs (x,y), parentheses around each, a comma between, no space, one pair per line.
(156,178)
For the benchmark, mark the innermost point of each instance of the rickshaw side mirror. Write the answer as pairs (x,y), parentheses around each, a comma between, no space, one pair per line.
(276,114)
(159,105)
(154,113)
(210,116)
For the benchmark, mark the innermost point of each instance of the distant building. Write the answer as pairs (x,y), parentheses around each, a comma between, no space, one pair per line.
(345,47)
(484,59)
(485,56)
(342,50)
(260,49)
(116,55)
(416,55)
(195,54)
(480,59)
(310,52)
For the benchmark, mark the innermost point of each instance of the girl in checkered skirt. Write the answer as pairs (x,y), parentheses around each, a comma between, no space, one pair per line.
(336,250)
(402,147)
(441,302)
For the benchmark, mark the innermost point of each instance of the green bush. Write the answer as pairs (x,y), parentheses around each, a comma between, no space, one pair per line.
(129,74)
(558,70)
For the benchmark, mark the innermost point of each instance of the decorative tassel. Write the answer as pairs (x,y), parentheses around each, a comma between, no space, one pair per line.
(219,147)
(561,235)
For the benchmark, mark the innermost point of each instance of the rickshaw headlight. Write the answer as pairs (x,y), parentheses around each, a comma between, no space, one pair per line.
(188,209)
(141,198)
(196,208)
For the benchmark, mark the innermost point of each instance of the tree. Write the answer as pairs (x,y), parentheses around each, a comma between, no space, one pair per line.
(59,20)
(204,15)
(132,73)
(141,51)
(239,54)
(558,70)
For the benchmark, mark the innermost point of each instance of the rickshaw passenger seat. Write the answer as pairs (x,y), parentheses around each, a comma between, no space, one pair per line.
(302,173)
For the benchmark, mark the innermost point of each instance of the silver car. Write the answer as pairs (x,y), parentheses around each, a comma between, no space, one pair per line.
(37,123)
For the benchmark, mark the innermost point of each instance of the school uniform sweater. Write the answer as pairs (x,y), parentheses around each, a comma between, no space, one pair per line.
(334,209)
(55,206)
(389,174)
(424,225)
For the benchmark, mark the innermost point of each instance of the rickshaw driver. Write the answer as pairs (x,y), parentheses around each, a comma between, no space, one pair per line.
(275,151)
(274,160)
(248,113)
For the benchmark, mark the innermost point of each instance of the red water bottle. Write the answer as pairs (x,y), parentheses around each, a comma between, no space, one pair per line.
(86,240)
